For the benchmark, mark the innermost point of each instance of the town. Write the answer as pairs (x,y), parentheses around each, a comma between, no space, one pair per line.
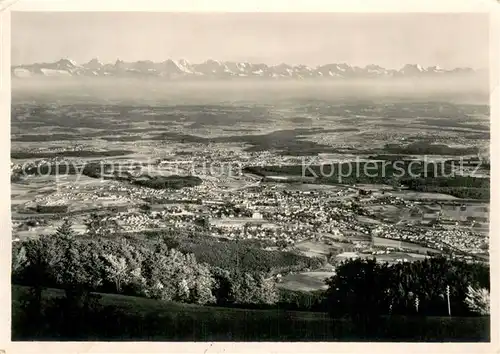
(379,221)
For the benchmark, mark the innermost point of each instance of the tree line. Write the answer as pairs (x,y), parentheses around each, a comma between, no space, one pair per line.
(109,265)
(432,287)
(362,290)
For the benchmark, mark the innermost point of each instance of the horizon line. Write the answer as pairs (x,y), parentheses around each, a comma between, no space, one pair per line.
(249,62)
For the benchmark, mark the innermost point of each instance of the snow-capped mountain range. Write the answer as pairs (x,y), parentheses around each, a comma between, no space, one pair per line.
(213,69)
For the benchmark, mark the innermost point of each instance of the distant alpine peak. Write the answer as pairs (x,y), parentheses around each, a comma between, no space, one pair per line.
(211,68)
(415,67)
(67,61)
(93,63)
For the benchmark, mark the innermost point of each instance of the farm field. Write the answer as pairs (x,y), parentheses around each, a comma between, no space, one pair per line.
(313,248)
(306,281)
(411,195)
(385,242)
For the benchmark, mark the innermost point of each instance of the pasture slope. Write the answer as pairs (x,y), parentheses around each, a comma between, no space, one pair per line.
(132,318)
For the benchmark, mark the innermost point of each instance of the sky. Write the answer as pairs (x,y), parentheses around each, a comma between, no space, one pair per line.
(390,40)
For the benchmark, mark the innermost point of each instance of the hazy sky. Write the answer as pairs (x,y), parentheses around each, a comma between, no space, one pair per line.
(389,40)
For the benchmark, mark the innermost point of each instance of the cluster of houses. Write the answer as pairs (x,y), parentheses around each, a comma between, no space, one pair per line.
(273,211)
(439,238)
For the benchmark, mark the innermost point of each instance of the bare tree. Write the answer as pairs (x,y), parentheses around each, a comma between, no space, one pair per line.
(478,300)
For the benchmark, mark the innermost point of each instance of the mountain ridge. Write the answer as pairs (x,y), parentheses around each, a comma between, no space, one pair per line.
(183,69)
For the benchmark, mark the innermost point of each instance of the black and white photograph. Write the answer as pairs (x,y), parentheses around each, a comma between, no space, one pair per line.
(250,177)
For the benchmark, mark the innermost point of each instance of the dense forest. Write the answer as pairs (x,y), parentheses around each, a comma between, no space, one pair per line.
(366,288)
(465,187)
(184,271)
(427,148)
(166,270)
(110,171)
(418,176)
(168,182)
(245,255)
(118,266)
(69,153)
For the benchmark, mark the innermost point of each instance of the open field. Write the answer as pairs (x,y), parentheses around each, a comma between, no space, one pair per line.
(313,187)
(412,195)
(306,281)
(367,220)
(385,242)
(145,319)
(395,257)
(467,210)
(387,212)
(313,248)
